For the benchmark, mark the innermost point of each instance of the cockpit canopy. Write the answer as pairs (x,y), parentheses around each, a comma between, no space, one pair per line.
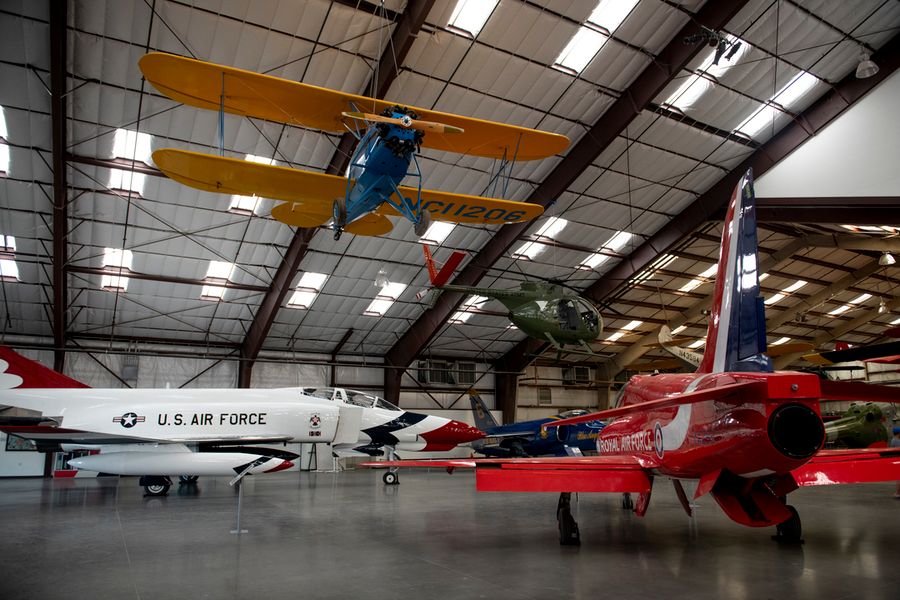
(576,412)
(351,397)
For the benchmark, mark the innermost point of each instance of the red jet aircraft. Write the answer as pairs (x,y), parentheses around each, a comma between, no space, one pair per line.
(744,433)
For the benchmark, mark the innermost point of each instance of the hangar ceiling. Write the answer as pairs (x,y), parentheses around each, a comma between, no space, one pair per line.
(656,131)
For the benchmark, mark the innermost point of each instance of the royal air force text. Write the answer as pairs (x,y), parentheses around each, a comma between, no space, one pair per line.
(642,441)
(211,419)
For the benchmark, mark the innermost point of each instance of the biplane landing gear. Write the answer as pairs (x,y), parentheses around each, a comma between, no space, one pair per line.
(339,215)
(423,223)
(790,531)
(627,502)
(568,528)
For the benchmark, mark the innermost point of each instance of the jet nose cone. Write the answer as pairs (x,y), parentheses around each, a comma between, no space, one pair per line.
(451,434)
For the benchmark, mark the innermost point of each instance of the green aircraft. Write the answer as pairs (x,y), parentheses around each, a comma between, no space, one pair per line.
(546,311)
(860,427)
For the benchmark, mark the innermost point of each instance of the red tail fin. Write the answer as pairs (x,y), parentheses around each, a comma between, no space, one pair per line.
(16,371)
(439,278)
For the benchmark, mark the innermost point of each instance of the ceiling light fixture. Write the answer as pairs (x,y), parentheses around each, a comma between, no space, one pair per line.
(887,259)
(866,68)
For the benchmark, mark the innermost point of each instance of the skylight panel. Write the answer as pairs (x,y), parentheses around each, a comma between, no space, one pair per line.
(609,14)
(784,293)
(307,290)
(700,279)
(259,159)
(696,344)
(679,329)
(469,16)
(127,181)
(119,259)
(866,228)
(795,89)
(132,145)
(4,158)
(219,270)
(462,315)
(7,243)
(895,322)
(4,133)
(212,292)
(244,205)
(780,341)
(623,330)
(385,298)
(697,84)
(550,229)
(437,232)
(580,50)
(9,270)
(661,263)
(852,304)
(615,244)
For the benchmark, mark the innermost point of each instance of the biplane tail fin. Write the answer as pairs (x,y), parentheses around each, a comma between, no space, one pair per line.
(440,278)
(736,337)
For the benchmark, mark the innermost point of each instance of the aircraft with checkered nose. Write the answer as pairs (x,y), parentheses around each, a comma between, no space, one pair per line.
(157,434)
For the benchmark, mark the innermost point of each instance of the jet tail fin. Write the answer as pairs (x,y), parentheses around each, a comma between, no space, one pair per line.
(736,337)
(16,371)
(484,420)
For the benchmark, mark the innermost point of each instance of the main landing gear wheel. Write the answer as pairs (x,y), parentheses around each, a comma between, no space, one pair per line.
(568,528)
(156,489)
(790,531)
(424,223)
(339,214)
(390,478)
(188,478)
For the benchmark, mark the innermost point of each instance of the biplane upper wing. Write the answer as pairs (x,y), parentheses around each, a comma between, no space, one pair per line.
(310,195)
(212,86)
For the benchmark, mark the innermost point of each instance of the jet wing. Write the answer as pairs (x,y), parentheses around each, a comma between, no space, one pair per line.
(832,467)
(311,195)
(211,86)
(557,474)
(44,435)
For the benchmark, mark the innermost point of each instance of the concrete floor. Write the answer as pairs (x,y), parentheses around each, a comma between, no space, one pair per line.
(319,535)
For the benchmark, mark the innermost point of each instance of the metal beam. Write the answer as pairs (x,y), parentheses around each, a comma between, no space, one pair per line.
(58,44)
(636,98)
(115,272)
(827,108)
(388,67)
(839,210)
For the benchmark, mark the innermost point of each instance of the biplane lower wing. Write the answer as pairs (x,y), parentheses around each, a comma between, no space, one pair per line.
(211,86)
(311,195)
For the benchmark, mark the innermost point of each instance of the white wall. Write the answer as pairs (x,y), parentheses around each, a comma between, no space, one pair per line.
(856,155)
(17,464)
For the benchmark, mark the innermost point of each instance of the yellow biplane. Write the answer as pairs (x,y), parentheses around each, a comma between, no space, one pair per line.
(389,136)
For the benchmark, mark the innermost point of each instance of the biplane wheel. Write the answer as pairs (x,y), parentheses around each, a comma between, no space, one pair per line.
(390,478)
(156,489)
(424,223)
(339,214)
(188,478)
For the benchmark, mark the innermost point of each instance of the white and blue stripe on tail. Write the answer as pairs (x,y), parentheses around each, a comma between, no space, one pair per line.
(736,338)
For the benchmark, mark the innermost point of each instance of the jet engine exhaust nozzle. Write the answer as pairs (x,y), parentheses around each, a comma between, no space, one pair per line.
(796,430)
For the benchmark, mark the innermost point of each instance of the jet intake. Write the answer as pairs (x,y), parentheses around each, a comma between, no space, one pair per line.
(796,430)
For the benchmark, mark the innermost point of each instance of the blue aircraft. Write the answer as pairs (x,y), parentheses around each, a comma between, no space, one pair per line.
(528,438)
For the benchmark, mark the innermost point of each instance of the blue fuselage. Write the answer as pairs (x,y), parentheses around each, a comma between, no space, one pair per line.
(535,441)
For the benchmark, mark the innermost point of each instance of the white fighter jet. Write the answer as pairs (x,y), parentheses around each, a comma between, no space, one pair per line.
(157,434)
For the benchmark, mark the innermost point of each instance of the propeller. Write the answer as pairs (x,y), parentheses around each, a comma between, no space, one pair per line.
(406,122)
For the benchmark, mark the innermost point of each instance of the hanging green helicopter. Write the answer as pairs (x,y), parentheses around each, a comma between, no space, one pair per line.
(543,310)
